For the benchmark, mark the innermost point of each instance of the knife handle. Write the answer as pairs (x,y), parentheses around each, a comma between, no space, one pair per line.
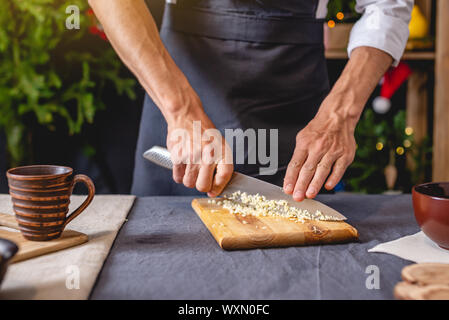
(159,156)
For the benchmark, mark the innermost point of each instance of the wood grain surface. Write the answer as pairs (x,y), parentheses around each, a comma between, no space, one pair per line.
(440,109)
(407,291)
(424,281)
(30,249)
(233,231)
(424,274)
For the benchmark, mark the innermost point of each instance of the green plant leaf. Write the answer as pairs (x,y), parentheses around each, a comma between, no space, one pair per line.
(49,73)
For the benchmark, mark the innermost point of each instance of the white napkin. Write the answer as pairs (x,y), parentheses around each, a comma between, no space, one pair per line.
(417,247)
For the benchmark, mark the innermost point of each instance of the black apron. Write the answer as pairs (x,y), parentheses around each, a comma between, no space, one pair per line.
(255,64)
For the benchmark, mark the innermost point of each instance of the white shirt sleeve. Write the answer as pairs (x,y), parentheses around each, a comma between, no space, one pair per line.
(383,25)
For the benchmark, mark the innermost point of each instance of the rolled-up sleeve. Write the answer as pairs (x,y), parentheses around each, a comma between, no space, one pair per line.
(383,25)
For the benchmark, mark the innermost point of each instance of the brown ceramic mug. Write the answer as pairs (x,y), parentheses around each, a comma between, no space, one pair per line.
(41,196)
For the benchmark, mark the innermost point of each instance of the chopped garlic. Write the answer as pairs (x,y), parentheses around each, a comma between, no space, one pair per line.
(257,205)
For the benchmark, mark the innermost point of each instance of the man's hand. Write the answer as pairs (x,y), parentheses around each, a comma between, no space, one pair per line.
(201,157)
(327,145)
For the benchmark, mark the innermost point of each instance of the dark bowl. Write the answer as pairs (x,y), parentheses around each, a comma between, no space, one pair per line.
(7,250)
(431,206)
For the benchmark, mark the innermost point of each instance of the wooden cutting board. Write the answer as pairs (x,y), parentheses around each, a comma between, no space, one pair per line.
(30,249)
(233,231)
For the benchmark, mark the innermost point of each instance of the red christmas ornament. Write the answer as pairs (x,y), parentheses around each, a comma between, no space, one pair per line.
(391,82)
(95,27)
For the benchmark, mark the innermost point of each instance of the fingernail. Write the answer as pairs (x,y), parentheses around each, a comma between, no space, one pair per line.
(288,188)
(311,192)
(298,195)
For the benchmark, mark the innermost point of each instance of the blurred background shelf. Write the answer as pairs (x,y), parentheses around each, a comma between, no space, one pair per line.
(337,54)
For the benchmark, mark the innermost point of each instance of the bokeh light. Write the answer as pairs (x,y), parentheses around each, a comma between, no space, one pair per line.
(409,131)
(379,146)
(400,151)
(407,143)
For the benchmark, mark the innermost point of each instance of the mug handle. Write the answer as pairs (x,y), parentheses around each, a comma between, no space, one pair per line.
(91,192)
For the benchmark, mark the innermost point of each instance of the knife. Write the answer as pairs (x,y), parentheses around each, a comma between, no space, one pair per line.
(250,185)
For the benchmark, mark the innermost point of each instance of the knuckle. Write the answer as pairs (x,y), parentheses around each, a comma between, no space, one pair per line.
(189,184)
(221,179)
(177,174)
(324,165)
(225,173)
(300,185)
(301,143)
(217,190)
(316,185)
(189,181)
(340,166)
(299,137)
(294,164)
(228,170)
(202,186)
(349,150)
(335,154)
(351,156)
(206,168)
(177,178)
(347,160)
(309,167)
(320,150)
(192,171)
(176,160)
(219,176)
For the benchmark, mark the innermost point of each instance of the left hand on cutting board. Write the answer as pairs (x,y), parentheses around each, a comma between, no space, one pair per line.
(325,146)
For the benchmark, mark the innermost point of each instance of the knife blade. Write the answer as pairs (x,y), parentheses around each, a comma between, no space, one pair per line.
(250,185)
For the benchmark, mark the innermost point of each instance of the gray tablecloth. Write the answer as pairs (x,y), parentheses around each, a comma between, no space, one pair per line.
(165,252)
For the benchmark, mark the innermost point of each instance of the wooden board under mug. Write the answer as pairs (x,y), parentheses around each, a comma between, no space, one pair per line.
(30,249)
(233,231)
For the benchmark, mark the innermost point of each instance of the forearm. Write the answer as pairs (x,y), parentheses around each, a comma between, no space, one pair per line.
(355,85)
(133,34)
